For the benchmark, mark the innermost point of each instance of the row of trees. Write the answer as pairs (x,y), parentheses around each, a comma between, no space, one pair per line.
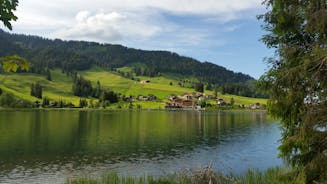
(150,71)
(79,55)
(83,88)
(248,89)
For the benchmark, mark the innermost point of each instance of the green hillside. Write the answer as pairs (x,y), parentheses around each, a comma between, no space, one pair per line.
(60,88)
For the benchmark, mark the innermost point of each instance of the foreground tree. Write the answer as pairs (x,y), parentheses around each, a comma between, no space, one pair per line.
(13,63)
(7,8)
(10,63)
(297,81)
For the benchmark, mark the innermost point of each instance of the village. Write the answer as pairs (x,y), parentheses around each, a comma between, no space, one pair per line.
(198,101)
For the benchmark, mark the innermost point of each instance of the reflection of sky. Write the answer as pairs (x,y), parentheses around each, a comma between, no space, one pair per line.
(223,32)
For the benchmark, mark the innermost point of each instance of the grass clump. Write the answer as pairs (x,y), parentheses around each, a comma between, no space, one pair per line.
(277,175)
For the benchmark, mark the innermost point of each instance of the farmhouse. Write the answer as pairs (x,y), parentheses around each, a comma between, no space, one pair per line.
(145,81)
(221,102)
(180,103)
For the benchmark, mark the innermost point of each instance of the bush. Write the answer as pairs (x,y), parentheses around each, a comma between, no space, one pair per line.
(45,102)
(9,100)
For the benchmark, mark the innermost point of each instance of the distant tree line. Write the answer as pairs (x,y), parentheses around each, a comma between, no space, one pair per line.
(81,55)
(248,89)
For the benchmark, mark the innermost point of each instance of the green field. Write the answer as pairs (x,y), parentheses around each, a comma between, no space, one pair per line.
(60,88)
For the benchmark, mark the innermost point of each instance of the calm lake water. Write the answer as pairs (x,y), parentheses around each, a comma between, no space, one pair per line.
(51,146)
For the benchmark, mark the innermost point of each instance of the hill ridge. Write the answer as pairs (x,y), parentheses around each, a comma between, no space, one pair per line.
(81,55)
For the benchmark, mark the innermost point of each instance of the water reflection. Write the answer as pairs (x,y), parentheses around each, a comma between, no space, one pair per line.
(38,144)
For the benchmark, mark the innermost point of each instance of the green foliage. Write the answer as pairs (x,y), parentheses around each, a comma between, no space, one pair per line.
(83,103)
(12,63)
(203,104)
(79,55)
(109,96)
(48,74)
(36,90)
(7,8)
(199,87)
(9,100)
(61,88)
(248,89)
(82,87)
(297,81)
(45,102)
(232,101)
(206,175)
(97,90)
(209,87)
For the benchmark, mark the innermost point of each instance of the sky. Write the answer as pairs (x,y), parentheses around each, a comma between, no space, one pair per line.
(223,32)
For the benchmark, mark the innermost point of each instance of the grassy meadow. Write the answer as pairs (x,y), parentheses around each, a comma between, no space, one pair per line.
(60,87)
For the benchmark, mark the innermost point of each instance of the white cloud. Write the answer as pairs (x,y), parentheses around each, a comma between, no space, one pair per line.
(131,22)
(205,7)
(191,27)
(108,27)
(52,11)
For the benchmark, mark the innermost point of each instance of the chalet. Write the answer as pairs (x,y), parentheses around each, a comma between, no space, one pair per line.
(187,96)
(142,98)
(221,102)
(180,103)
(145,81)
(150,97)
(172,97)
(256,106)
(201,98)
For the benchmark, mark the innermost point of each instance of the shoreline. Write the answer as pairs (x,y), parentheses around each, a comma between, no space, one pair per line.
(123,109)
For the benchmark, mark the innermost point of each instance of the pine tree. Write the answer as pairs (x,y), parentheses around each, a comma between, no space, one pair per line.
(199,87)
(36,90)
(48,73)
(297,81)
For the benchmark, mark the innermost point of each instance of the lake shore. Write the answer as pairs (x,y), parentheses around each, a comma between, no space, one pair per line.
(127,109)
(274,175)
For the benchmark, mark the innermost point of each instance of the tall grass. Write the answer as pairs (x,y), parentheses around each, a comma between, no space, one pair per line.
(277,175)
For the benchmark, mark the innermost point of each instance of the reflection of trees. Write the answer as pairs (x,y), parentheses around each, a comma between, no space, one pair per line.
(122,134)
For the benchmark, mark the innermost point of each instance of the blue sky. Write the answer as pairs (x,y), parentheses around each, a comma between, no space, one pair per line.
(223,32)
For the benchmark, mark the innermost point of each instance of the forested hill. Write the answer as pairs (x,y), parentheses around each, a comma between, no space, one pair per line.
(81,55)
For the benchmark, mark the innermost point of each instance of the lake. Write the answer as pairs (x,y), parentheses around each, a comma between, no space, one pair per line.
(51,146)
